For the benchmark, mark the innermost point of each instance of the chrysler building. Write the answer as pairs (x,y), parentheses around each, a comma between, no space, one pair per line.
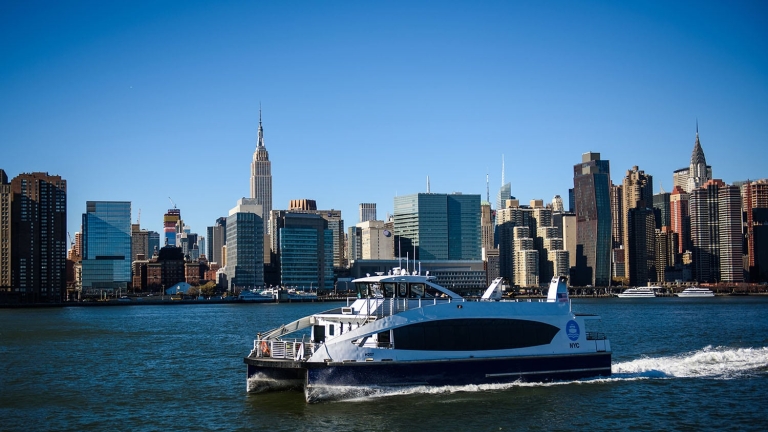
(261,177)
(698,172)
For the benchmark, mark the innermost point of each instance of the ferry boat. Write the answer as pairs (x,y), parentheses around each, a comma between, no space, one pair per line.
(252,296)
(406,330)
(640,292)
(695,292)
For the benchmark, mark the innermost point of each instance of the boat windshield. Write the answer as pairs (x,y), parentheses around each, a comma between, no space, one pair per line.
(397,290)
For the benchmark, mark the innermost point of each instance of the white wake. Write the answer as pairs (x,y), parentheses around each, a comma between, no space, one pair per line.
(709,362)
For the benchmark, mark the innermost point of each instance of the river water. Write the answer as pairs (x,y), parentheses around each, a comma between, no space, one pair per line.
(678,364)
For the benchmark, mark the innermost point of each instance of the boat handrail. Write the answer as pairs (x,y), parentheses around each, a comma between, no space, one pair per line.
(289,349)
(596,336)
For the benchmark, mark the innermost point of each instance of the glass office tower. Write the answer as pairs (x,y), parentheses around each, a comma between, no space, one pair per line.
(430,226)
(106,246)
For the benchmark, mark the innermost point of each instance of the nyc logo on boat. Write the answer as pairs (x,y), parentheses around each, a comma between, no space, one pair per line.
(572,330)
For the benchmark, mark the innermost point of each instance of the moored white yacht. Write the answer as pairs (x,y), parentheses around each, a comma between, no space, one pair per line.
(695,292)
(405,330)
(253,296)
(639,292)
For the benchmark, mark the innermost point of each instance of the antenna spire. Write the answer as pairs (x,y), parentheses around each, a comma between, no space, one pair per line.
(487,189)
(428,184)
(260,142)
(502,170)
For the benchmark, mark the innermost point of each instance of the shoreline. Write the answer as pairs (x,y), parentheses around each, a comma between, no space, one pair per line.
(141,301)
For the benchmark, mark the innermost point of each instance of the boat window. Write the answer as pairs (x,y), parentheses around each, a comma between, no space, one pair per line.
(417,290)
(362,289)
(389,290)
(402,289)
(375,290)
(473,334)
(431,291)
(330,329)
(318,333)
(383,339)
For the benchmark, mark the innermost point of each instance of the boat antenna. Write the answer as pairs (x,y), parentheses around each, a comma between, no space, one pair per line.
(406,262)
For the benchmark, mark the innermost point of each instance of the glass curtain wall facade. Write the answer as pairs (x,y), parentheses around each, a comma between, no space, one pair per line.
(106,261)
(245,250)
(299,266)
(438,226)
(591,185)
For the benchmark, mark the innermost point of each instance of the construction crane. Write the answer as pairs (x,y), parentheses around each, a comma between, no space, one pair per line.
(71,243)
(173,203)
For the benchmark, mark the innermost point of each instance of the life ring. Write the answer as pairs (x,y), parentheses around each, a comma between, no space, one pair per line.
(264,348)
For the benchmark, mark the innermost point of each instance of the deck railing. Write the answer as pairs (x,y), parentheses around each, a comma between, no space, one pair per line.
(596,336)
(290,349)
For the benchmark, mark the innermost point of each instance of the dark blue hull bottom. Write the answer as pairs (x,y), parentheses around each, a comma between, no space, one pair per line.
(320,376)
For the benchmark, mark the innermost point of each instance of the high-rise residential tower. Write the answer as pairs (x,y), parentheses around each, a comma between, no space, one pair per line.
(170,219)
(679,218)
(639,226)
(716,235)
(591,187)
(261,178)
(5,232)
(33,237)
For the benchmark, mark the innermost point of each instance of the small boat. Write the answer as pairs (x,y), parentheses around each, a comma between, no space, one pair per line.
(406,330)
(251,296)
(640,292)
(293,294)
(695,292)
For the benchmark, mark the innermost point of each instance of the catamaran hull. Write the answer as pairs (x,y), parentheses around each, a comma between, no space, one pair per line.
(323,381)
(264,376)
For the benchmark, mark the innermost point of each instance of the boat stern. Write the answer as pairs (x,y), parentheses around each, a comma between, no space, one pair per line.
(265,375)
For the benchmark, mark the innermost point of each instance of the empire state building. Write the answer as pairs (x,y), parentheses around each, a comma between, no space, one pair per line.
(261,177)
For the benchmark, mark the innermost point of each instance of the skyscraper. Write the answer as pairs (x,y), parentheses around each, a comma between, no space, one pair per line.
(661,210)
(679,218)
(106,246)
(261,178)
(304,249)
(217,238)
(698,172)
(245,245)
(716,232)
(376,242)
(5,232)
(638,240)
(367,212)
(591,184)
(170,219)
(33,238)
(505,192)
(438,226)
(139,243)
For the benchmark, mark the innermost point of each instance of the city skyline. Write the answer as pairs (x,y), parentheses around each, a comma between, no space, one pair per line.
(129,102)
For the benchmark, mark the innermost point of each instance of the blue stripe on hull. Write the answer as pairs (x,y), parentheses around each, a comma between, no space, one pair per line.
(459,372)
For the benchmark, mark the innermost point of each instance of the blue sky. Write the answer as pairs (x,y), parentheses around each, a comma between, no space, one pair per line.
(141,101)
